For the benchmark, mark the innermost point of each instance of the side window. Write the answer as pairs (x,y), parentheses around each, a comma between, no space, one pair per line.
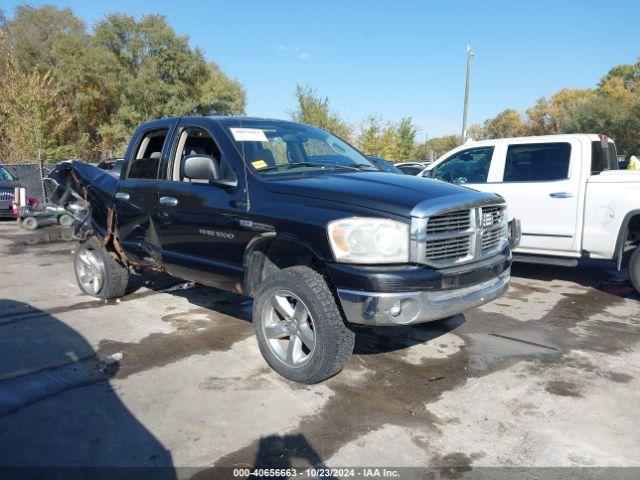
(197,141)
(144,163)
(537,162)
(467,166)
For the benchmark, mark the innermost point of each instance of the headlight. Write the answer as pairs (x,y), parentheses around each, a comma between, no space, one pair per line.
(369,240)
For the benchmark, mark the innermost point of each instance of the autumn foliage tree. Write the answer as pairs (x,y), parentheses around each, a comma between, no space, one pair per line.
(85,91)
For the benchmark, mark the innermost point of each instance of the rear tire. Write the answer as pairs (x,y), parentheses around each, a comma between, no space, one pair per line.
(98,273)
(300,330)
(634,269)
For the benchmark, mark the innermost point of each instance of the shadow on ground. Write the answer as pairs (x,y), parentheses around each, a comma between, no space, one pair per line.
(57,406)
(600,275)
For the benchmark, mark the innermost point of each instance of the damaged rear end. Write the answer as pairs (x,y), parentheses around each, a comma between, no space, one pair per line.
(86,192)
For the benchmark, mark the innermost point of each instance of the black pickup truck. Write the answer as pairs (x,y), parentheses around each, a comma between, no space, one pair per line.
(297,219)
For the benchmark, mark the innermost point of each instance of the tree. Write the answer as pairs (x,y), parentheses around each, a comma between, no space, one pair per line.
(316,111)
(125,72)
(437,146)
(33,31)
(406,132)
(507,123)
(31,122)
(221,95)
(551,116)
(368,140)
(389,146)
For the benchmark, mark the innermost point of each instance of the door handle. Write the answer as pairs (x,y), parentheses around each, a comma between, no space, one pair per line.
(561,195)
(168,201)
(122,196)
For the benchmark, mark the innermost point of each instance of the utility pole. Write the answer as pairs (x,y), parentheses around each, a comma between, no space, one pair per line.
(470,56)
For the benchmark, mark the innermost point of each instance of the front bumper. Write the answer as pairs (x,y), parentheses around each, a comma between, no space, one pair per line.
(402,308)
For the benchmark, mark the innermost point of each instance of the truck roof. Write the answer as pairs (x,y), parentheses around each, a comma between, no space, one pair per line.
(542,138)
(216,118)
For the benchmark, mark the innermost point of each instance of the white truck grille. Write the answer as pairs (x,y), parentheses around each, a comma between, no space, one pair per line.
(464,235)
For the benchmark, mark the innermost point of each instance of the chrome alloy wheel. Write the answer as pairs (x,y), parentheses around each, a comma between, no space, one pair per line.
(90,270)
(288,328)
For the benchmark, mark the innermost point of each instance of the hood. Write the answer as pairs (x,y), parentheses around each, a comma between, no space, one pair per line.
(387,192)
(616,176)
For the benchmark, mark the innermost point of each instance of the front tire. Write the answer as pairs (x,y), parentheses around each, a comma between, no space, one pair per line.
(29,223)
(300,330)
(98,273)
(634,269)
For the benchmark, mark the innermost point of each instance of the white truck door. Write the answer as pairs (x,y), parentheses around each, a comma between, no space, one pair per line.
(541,184)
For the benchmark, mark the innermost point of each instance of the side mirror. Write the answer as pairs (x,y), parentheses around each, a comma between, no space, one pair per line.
(201,167)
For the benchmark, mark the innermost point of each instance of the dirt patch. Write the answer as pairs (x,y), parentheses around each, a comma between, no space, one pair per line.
(255,381)
(564,389)
(158,349)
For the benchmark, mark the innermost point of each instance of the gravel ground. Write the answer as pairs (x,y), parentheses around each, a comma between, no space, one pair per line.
(171,375)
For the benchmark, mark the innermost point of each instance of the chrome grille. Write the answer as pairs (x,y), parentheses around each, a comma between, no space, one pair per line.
(449,222)
(464,235)
(448,248)
(491,215)
(491,240)
(6,194)
(494,227)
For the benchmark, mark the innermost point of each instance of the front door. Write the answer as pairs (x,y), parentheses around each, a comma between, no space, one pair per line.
(199,221)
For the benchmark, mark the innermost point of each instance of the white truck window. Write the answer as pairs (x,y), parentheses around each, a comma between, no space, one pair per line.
(537,162)
(467,166)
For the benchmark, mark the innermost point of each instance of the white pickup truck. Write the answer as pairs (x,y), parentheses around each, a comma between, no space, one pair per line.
(567,191)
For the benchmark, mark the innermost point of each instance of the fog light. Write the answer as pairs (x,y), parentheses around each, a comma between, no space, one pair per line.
(396,309)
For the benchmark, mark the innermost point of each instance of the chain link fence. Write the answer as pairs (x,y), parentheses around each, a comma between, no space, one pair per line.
(30,176)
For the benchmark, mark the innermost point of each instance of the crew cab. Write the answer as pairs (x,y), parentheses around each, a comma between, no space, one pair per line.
(566,190)
(294,217)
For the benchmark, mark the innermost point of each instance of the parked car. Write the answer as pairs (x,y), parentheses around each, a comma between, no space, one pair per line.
(383,165)
(8,184)
(297,219)
(572,200)
(112,165)
(411,168)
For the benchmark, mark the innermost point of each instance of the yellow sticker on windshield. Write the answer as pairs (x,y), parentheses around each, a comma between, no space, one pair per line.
(258,164)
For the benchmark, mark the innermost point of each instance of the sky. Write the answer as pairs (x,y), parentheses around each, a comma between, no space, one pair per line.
(396,59)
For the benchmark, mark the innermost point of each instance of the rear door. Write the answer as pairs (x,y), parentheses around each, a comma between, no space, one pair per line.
(542,184)
(136,200)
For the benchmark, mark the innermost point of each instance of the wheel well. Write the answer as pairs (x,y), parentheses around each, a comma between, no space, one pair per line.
(633,230)
(272,254)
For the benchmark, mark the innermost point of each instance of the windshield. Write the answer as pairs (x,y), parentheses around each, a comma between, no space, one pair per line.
(383,165)
(272,148)
(4,175)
